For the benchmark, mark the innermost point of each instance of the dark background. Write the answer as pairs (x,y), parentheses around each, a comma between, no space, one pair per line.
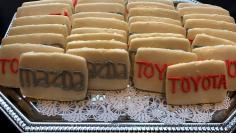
(8,8)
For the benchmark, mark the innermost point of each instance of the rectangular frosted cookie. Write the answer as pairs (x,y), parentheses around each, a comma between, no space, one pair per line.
(98,15)
(96,36)
(101,7)
(221,52)
(149,5)
(70,2)
(42,28)
(100,23)
(42,19)
(108,69)
(183,5)
(205,23)
(168,2)
(86,30)
(154,19)
(146,35)
(203,10)
(160,42)
(101,1)
(56,40)
(104,44)
(202,40)
(150,67)
(196,82)
(155,27)
(9,57)
(155,12)
(45,9)
(48,76)
(225,34)
(209,17)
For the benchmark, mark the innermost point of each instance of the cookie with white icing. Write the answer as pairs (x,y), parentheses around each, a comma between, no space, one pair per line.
(42,19)
(196,82)
(155,27)
(48,76)
(188,4)
(203,10)
(108,68)
(96,36)
(225,34)
(149,5)
(154,19)
(104,44)
(9,56)
(45,9)
(86,30)
(56,40)
(221,52)
(42,28)
(98,15)
(100,23)
(30,3)
(205,23)
(209,17)
(149,72)
(168,2)
(101,7)
(146,35)
(202,40)
(101,1)
(155,12)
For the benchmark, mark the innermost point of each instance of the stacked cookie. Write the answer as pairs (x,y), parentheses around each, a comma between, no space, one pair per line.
(99,34)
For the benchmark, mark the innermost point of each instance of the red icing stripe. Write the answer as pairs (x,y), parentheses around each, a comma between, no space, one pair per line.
(74,2)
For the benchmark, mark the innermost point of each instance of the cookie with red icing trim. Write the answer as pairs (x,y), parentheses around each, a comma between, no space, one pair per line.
(150,67)
(196,82)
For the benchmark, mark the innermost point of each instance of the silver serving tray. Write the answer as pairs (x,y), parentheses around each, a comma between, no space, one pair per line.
(26,118)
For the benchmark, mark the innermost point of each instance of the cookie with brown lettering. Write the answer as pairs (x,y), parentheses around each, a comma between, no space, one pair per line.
(149,72)
(155,27)
(104,44)
(202,40)
(209,17)
(96,36)
(155,12)
(9,58)
(109,69)
(48,76)
(51,39)
(225,34)
(221,52)
(42,19)
(42,28)
(205,23)
(100,23)
(196,82)
(45,9)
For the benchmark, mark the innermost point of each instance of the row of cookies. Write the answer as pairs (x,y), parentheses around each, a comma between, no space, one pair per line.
(98,24)
(42,22)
